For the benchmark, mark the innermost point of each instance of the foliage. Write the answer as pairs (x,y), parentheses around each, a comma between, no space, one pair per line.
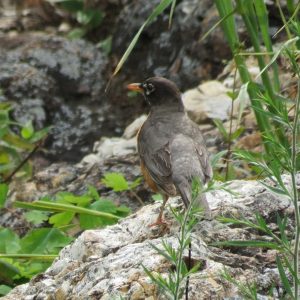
(164,4)
(87,18)
(255,17)
(3,194)
(247,289)
(14,145)
(118,183)
(91,210)
(21,258)
(173,285)
(274,121)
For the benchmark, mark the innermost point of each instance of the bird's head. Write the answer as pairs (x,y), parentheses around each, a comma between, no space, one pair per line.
(159,91)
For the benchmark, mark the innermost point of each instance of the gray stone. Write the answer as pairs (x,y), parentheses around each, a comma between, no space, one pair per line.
(208,101)
(107,263)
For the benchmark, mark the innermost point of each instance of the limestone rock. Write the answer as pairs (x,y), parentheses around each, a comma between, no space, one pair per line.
(207,101)
(107,263)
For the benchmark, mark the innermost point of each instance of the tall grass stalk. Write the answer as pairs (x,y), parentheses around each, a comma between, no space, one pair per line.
(284,159)
(294,153)
(255,18)
(172,286)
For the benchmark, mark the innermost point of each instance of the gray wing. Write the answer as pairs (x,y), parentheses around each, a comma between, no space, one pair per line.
(155,153)
(189,160)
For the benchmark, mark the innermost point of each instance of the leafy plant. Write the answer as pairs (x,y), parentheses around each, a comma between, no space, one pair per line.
(118,183)
(162,6)
(87,18)
(91,210)
(21,258)
(284,158)
(255,17)
(14,145)
(247,289)
(173,285)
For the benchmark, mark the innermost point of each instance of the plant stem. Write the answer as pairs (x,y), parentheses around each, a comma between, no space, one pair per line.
(228,155)
(295,193)
(181,249)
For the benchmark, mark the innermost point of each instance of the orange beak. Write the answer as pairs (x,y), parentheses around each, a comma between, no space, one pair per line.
(135,87)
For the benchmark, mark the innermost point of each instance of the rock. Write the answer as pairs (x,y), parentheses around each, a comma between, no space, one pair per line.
(75,179)
(208,101)
(251,142)
(109,147)
(132,129)
(107,263)
(177,53)
(58,82)
(116,147)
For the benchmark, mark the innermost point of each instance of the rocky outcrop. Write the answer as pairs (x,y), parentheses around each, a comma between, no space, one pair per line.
(107,263)
(54,81)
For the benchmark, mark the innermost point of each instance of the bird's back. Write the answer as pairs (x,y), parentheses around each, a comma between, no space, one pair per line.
(175,152)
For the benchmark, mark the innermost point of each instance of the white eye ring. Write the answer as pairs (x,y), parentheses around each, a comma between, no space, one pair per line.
(149,88)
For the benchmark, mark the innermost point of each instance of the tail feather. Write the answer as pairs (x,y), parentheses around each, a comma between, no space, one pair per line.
(186,195)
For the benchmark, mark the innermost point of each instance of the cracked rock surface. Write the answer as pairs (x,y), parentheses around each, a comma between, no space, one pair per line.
(107,263)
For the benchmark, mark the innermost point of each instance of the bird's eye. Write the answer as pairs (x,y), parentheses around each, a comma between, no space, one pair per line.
(149,88)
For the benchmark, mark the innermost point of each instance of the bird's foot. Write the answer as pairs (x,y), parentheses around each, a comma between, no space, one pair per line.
(159,222)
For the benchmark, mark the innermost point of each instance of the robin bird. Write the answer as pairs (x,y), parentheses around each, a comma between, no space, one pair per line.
(170,145)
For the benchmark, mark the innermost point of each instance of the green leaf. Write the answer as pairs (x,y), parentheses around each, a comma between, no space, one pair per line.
(236,134)
(283,277)
(123,211)
(157,197)
(77,33)
(71,5)
(274,189)
(116,181)
(4,117)
(105,45)
(282,224)
(135,183)
(10,242)
(15,141)
(8,272)
(59,207)
(88,222)
(90,17)
(217,157)
(242,98)
(4,289)
(61,219)
(92,192)
(44,241)
(27,131)
(255,244)
(30,256)
(40,134)
(4,157)
(158,10)
(161,252)
(220,126)
(172,12)
(36,217)
(67,197)
(3,193)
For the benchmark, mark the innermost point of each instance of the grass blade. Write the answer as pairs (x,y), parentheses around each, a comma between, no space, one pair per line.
(255,244)
(158,10)
(284,278)
(60,207)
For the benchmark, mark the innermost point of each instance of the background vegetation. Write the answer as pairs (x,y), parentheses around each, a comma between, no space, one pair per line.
(277,117)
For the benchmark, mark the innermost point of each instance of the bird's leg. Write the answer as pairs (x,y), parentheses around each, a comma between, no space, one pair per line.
(159,220)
